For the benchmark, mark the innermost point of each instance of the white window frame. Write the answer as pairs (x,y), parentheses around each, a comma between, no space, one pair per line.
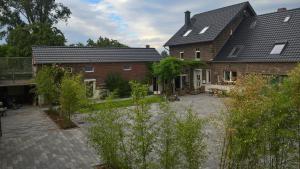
(89,71)
(204,30)
(127,69)
(181,55)
(196,52)
(230,76)
(187,33)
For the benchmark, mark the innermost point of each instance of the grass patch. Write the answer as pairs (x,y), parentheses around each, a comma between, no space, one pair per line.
(123,103)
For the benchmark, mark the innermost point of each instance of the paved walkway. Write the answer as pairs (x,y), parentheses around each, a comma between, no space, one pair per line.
(32,141)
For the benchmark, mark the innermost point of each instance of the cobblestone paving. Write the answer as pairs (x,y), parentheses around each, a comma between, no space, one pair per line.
(32,141)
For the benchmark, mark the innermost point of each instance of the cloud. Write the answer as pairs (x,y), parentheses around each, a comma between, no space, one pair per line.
(140,22)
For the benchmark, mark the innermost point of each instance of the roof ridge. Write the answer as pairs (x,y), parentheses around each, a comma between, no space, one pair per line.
(88,47)
(246,2)
(279,12)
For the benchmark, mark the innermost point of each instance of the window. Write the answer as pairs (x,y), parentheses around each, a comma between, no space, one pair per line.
(204,30)
(187,32)
(235,51)
(88,69)
(230,76)
(278,48)
(127,67)
(287,18)
(197,54)
(181,56)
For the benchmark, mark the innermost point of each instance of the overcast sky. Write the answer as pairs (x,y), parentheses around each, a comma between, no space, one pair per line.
(140,22)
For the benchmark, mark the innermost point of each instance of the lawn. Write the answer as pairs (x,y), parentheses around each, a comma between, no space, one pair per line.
(123,103)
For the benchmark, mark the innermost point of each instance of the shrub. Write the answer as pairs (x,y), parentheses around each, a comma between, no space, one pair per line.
(72,96)
(115,83)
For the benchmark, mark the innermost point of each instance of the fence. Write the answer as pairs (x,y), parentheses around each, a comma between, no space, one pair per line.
(15,68)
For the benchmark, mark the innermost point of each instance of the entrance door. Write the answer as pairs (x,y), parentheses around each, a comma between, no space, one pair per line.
(197,78)
(90,87)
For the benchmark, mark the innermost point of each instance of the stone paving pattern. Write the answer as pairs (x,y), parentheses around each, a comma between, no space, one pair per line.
(32,141)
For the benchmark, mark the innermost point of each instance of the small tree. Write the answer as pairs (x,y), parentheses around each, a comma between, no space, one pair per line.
(73,95)
(107,136)
(190,141)
(168,149)
(115,83)
(48,81)
(167,70)
(143,134)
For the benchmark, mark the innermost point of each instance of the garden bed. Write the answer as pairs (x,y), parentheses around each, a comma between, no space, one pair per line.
(61,122)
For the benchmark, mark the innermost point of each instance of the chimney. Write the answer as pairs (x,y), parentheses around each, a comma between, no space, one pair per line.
(147,46)
(281,9)
(188,18)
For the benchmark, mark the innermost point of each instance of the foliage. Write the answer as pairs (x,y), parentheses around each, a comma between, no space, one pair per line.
(107,135)
(48,80)
(263,124)
(72,95)
(167,70)
(134,138)
(190,141)
(114,82)
(168,151)
(22,38)
(26,12)
(143,131)
(164,53)
(105,42)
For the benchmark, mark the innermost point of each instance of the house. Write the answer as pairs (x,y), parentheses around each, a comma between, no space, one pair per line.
(96,63)
(234,41)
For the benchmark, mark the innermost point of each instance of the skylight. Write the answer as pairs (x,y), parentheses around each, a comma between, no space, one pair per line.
(253,24)
(287,18)
(204,30)
(278,48)
(235,51)
(187,32)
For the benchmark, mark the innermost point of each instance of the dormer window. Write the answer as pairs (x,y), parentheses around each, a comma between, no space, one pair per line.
(204,30)
(287,18)
(235,51)
(181,55)
(197,54)
(187,33)
(278,48)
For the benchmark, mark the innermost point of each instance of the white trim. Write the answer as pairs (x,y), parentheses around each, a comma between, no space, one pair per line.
(182,58)
(127,69)
(197,51)
(89,71)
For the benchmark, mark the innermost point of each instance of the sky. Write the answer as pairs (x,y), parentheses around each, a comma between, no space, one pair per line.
(140,22)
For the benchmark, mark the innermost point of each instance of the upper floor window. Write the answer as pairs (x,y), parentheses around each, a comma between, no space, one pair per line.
(287,18)
(197,54)
(88,69)
(181,55)
(127,67)
(204,30)
(187,32)
(278,48)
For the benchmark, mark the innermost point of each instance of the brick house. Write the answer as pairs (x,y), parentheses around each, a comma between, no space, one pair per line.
(96,63)
(233,41)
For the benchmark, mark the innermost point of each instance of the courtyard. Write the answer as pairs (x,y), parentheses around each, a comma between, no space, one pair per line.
(31,140)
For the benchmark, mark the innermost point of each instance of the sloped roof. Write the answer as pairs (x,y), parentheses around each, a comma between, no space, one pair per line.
(217,20)
(48,55)
(257,42)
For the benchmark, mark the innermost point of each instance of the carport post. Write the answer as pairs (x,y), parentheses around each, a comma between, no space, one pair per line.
(0,127)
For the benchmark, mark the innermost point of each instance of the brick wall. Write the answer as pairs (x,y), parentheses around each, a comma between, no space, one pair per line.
(101,70)
(217,69)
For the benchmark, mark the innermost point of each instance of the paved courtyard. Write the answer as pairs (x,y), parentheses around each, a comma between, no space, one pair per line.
(32,141)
